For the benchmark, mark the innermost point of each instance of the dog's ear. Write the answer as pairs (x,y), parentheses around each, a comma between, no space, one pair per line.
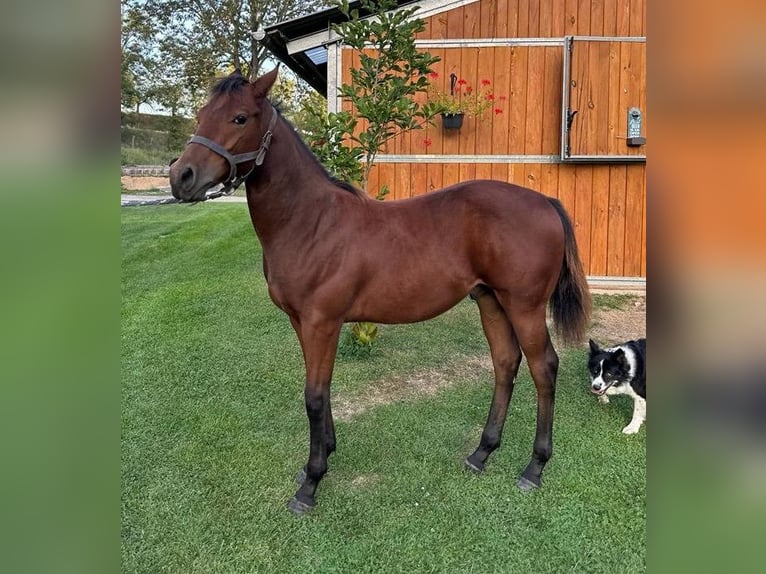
(619,356)
(593,347)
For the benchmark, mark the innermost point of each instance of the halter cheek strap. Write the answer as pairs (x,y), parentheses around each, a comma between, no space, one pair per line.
(257,156)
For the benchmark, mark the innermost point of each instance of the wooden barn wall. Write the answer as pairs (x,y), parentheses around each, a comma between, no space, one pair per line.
(539,19)
(607,202)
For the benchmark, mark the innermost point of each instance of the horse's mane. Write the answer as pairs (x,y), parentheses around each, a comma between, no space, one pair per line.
(234,83)
(338,182)
(228,85)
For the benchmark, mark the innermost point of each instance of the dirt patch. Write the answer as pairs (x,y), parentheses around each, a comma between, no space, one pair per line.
(627,321)
(136,183)
(364,480)
(614,320)
(410,387)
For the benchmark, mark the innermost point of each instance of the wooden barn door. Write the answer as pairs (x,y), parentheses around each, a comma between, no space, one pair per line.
(604,79)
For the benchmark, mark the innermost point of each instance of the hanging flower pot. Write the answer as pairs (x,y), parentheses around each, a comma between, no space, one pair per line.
(452,121)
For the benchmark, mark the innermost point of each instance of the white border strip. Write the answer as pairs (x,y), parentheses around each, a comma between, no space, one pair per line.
(614,282)
(488,42)
(429,158)
(610,38)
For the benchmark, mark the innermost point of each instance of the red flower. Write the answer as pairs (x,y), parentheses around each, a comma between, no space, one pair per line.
(498,111)
(434,75)
(461,82)
(427,142)
(468,90)
(502,98)
(485,82)
(490,97)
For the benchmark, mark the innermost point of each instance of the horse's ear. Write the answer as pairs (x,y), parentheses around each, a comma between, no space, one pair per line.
(235,73)
(263,84)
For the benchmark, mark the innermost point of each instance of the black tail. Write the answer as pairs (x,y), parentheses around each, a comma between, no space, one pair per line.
(571,302)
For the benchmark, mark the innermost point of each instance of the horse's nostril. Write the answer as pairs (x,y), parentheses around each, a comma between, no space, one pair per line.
(187,174)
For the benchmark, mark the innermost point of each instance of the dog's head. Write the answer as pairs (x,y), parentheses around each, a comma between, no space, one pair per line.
(607,368)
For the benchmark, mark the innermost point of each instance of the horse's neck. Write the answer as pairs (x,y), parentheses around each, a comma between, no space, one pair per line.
(288,190)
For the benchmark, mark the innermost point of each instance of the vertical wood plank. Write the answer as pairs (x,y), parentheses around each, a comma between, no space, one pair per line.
(615,264)
(488,18)
(403,180)
(435,176)
(467,171)
(549,182)
(512,19)
(523,21)
(610,17)
(472,20)
(566,191)
(634,205)
(500,87)
(455,22)
(451,174)
(558,18)
(500,171)
(623,18)
(483,171)
(599,220)
(387,176)
(636,17)
(643,224)
(546,18)
(583,17)
(533,176)
(597,17)
(517,174)
(439,26)
(501,21)
(613,81)
(517,100)
(533,141)
(486,66)
(551,98)
(470,68)
(534,19)
(419,176)
(571,18)
(582,212)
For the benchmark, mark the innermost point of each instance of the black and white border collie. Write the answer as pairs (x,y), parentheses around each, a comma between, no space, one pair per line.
(620,370)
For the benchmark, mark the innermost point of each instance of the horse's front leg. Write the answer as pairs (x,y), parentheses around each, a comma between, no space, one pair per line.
(319,340)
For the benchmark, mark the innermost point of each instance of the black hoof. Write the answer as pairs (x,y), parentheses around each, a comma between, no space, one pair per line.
(299,508)
(472,467)
(526,485)
(300,478)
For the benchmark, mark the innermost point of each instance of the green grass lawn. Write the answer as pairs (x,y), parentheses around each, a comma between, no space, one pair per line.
(214,430)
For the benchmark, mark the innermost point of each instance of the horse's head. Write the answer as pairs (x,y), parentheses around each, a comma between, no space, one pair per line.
(233,134)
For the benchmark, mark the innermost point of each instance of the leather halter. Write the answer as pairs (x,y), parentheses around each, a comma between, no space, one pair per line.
(233,182)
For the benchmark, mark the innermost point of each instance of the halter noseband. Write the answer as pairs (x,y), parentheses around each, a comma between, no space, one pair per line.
(233,182)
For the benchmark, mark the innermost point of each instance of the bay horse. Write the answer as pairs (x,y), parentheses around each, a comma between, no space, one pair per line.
(331,255)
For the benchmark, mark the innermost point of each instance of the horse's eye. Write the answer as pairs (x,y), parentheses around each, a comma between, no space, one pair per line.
(240,119)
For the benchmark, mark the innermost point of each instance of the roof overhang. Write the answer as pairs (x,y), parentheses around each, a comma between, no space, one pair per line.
(301,43)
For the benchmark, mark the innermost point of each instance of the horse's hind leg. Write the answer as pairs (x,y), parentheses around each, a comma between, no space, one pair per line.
(506,357)
(532,333)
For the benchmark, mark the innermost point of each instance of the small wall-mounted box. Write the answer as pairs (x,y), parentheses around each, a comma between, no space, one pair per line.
(635,138)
